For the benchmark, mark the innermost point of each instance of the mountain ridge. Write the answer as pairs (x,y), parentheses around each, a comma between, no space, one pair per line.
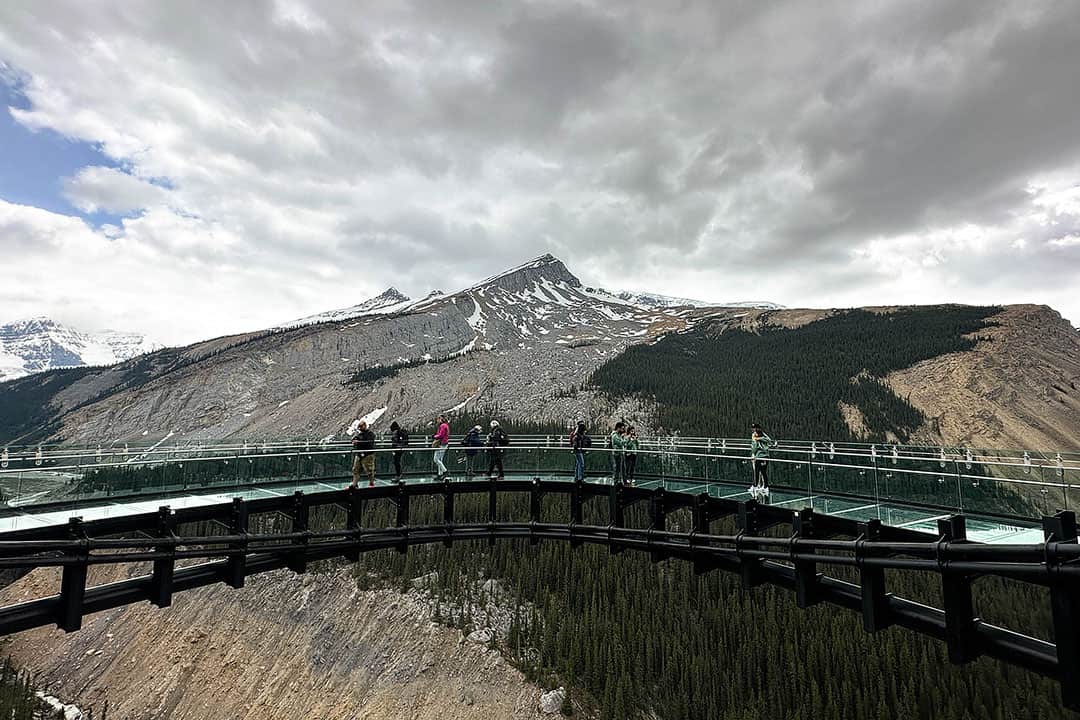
(524,341)
(40,343)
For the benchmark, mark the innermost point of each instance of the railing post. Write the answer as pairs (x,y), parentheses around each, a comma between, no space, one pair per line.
(747,523)
(402,502)
(161,582)
(956,592)
(298,558)
(658,520)
(1065,604)
(700,514)
(534,509)
(354,513)
(236,565)
(448,512)
(73,580)
(616,515)
(875,608)
(493,504)
(806,575)
(575,511)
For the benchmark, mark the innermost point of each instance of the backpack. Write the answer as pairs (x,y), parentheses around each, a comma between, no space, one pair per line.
(403,437)
(586,441)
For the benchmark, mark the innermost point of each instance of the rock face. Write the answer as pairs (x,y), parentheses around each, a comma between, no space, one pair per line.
(284,647)
(1018,388)
(30,346)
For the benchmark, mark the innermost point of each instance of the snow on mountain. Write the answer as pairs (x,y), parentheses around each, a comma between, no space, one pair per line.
(37,344)
(391,300)
(654,301)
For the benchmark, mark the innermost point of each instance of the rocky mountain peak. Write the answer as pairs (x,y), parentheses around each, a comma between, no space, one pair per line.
(546,269)
(392,293)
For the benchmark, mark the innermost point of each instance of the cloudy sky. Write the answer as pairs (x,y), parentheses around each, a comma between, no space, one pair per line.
(192,169)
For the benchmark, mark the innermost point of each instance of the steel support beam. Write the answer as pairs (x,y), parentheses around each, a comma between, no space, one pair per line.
(73,581)
(956,593)
(161,588)
(806,574)
(1065,606)
(875,601)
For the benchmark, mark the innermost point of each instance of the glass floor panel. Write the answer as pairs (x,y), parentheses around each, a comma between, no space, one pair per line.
(980,529)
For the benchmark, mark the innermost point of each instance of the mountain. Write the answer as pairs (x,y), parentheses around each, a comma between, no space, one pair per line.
(388,301)
(525,341)
(654,301)
(37,344)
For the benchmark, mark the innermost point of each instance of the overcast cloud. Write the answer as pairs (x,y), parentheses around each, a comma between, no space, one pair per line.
(272,160)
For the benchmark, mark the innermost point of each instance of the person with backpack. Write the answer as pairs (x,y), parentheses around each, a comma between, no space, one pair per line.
(579,441)
(630,446)
(617,451)
(399,440)
(363,445)
(497,439)
(440,441)
(472,441)
(759,452)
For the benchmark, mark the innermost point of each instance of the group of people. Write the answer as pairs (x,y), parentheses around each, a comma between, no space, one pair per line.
(363,445)
(623,448)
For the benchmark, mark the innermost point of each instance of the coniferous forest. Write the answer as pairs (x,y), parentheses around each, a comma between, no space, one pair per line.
(714,381)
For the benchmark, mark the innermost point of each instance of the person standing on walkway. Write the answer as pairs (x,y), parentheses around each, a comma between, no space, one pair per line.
(759,452)
(617,451)
(497,439)
(579,441)
(399,440)
(440,440)
(363,445)
(472,441)
(630,446)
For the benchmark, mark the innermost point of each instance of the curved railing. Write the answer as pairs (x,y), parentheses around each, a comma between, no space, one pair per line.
(767,544)
(996,484)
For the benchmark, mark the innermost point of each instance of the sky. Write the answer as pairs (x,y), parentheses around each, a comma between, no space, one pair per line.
(189,170)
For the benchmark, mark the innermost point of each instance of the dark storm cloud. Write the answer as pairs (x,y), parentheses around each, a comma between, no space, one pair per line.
(806,152)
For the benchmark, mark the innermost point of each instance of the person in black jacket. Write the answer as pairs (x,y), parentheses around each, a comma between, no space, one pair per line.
(472,441)
(363,445)
(579,441)
(497,440)
(399,439)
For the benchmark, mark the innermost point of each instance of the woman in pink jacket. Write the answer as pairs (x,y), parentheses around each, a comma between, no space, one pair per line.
(440,440)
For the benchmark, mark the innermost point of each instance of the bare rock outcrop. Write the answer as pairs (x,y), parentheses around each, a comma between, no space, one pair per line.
(286,646)
(1019,387)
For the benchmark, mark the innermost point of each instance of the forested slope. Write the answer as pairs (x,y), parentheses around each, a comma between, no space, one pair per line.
(715,381)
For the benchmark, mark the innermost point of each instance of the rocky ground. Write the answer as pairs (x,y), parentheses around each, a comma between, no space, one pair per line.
(1018,388)
(287,646)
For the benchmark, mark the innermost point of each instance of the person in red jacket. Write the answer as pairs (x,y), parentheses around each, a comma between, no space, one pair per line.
(440,440)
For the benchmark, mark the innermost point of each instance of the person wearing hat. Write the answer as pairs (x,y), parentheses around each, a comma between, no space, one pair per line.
(759,452)
(363,445)
(472,441)
(497,439)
